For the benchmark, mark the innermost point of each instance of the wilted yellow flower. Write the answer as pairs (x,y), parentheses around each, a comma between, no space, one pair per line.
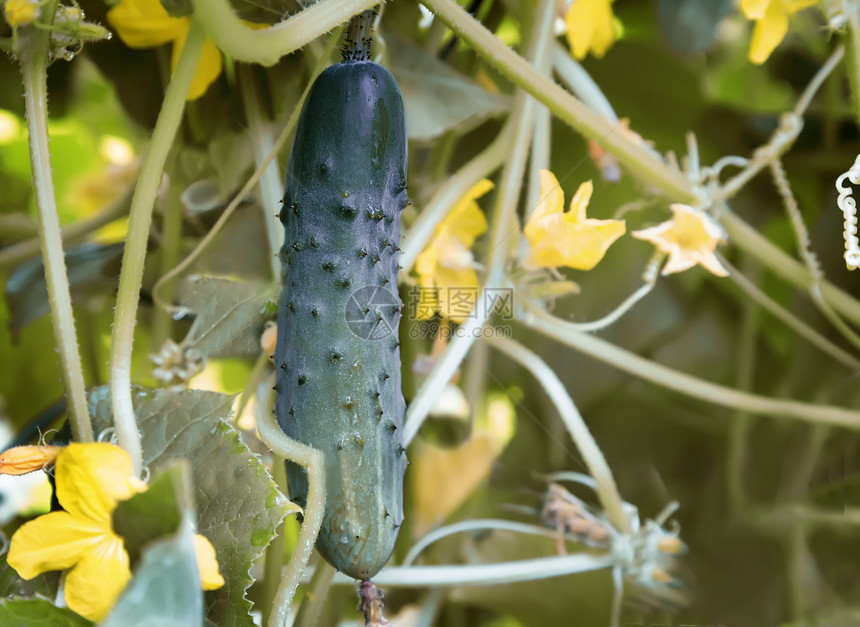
(689,238)
(590,27)
(20,12)
(91,480)
(146,24)
(567,239)
(447,279)
(771,23)
(22,460)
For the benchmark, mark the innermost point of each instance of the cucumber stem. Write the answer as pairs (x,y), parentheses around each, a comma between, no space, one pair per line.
(359,37)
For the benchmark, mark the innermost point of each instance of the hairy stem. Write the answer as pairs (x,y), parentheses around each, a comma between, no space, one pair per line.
(313,461)
(267,45)
(34,62)
(140,218)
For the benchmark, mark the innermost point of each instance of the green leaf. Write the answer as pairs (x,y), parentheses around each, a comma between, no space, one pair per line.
(229,315)
(165,589)
(88,266)
(38,612)
(438,99)
(12,585)
(238,505)
(152,514)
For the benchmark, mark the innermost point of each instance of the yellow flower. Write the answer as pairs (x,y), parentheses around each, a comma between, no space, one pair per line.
(689,238)
(567,239)
(446,269)
(146,24)
(590,26)
(20,12)
(771,23)
(91,480)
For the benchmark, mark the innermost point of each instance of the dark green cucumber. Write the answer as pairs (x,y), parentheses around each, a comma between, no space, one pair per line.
(337,354)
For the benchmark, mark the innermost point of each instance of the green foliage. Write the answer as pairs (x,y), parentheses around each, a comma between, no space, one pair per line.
(229,315)
(238,506)
(38,612)
(154,513)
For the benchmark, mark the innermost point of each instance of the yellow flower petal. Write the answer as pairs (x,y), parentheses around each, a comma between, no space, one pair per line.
(93,585)
(55,541)
(551,202)
(690,238)
(589,27)
(145,23)
(207,564)
(771,18)
(20,12)
(208,67)
(578,246)
(579,202)
(91,478)
(569,239)
(754,9)
(466,221)
(458,291)
(446,276)
(769,31)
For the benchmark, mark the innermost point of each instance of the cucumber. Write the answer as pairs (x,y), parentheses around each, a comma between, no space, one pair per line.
(337,354)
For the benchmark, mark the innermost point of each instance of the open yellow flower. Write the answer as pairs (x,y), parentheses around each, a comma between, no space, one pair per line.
(771,23)
(567,239)
(590,27)
(689,238)
(91,480)
(446,268)
(146,24)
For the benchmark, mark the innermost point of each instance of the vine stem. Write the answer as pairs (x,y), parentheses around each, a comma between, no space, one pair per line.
(485,574)
(793,322)
(851,10)
(521,122)
(636,157)
(684,383)
(267,45)
(34,64)
(271,181)
(476,524)
(140,217)
(312,460)
(607,490)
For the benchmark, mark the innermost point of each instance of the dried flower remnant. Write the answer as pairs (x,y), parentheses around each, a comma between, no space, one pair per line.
(22,460)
